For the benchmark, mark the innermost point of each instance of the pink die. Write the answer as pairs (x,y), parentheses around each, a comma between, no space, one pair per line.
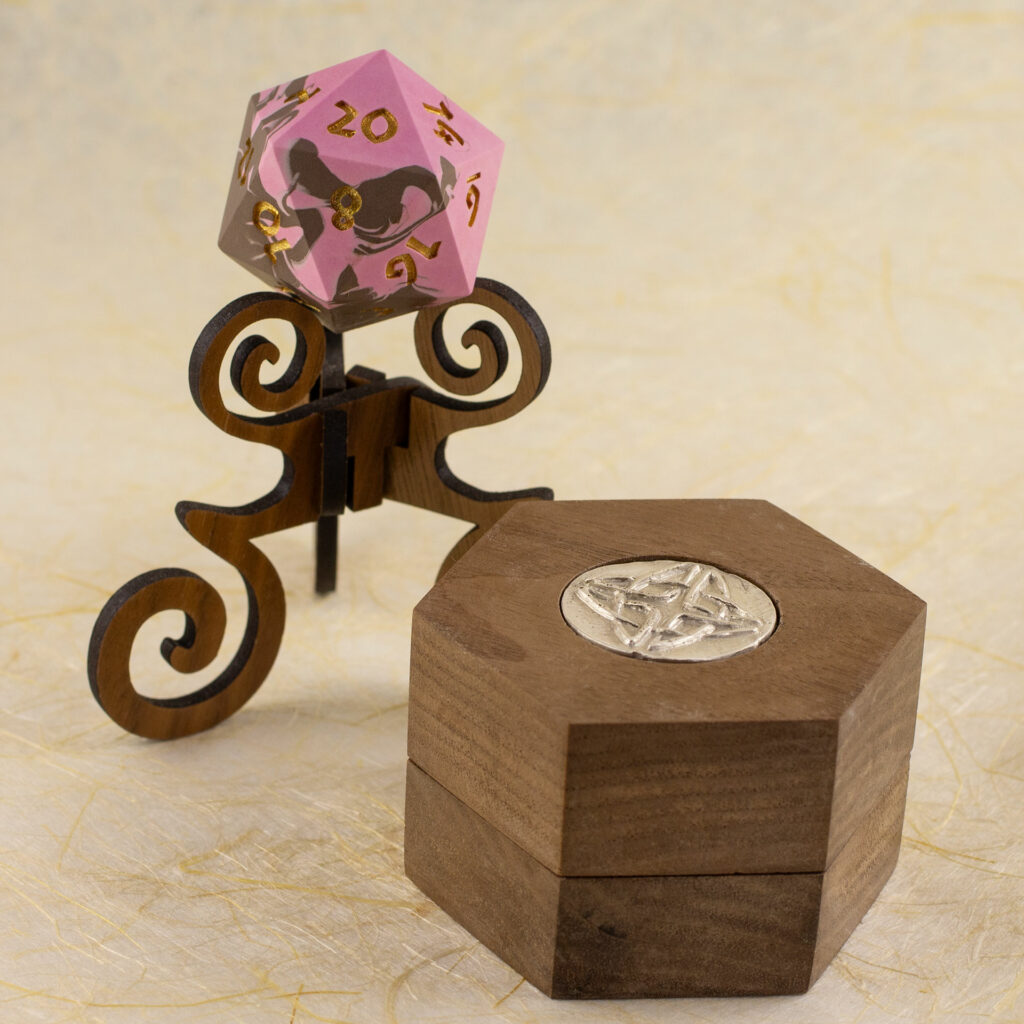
(363,190)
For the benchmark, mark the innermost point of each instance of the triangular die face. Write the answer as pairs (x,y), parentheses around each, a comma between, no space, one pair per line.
(236,221)
(304,109)
(470,208)
(421,268)
(459,268)
(246,244)
(365,118)
(438,262)
(444,127)
(284,254)
(337,74)
(324,197)
(309,95)
(460,137)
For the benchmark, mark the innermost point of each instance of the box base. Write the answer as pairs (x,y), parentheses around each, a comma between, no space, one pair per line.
(653,935)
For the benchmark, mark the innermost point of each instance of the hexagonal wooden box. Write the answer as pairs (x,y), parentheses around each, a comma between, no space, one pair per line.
(618,827)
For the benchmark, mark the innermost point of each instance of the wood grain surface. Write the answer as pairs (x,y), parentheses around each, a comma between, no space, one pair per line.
(359,437)
(418,472)
(228,532)
(668,935)
(600,764)
(335,469)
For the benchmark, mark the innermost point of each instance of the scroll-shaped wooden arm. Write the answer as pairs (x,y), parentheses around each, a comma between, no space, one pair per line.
(370,439)
(418,474)
(228,532)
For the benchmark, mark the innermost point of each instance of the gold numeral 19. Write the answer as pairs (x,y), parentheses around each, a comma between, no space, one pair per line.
(406,263)
(394,267)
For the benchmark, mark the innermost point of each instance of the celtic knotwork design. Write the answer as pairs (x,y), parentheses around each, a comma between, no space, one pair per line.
(669,610)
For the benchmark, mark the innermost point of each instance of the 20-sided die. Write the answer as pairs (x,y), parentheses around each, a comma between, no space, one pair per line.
(361,189)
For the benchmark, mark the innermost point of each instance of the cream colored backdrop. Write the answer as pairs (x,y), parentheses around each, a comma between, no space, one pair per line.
(778,248)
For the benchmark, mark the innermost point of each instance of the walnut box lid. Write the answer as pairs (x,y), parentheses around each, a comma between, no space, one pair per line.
(600,764)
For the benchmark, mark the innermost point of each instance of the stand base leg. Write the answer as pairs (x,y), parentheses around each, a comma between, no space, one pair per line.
(326,554)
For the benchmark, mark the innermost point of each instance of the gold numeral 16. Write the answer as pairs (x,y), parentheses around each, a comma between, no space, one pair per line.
(339,127)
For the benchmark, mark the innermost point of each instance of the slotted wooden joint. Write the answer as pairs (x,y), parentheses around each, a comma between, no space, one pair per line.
(347,440)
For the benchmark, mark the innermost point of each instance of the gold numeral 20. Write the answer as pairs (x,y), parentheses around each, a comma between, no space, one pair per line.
(350,114)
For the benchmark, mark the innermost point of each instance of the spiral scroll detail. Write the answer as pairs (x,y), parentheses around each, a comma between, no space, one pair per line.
(228,532)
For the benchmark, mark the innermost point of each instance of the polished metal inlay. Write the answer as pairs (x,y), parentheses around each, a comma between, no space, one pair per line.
(668,611)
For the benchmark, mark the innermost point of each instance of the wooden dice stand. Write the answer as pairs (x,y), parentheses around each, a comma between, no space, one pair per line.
(349,439)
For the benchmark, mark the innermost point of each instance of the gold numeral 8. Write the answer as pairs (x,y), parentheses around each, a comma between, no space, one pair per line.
(345,212)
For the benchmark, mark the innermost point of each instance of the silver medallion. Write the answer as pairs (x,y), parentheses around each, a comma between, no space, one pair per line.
(668,611)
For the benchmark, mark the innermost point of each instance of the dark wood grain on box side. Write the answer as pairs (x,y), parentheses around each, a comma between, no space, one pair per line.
(481,878)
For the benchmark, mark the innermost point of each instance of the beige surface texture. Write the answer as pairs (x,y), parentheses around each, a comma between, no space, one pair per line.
(778,248)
